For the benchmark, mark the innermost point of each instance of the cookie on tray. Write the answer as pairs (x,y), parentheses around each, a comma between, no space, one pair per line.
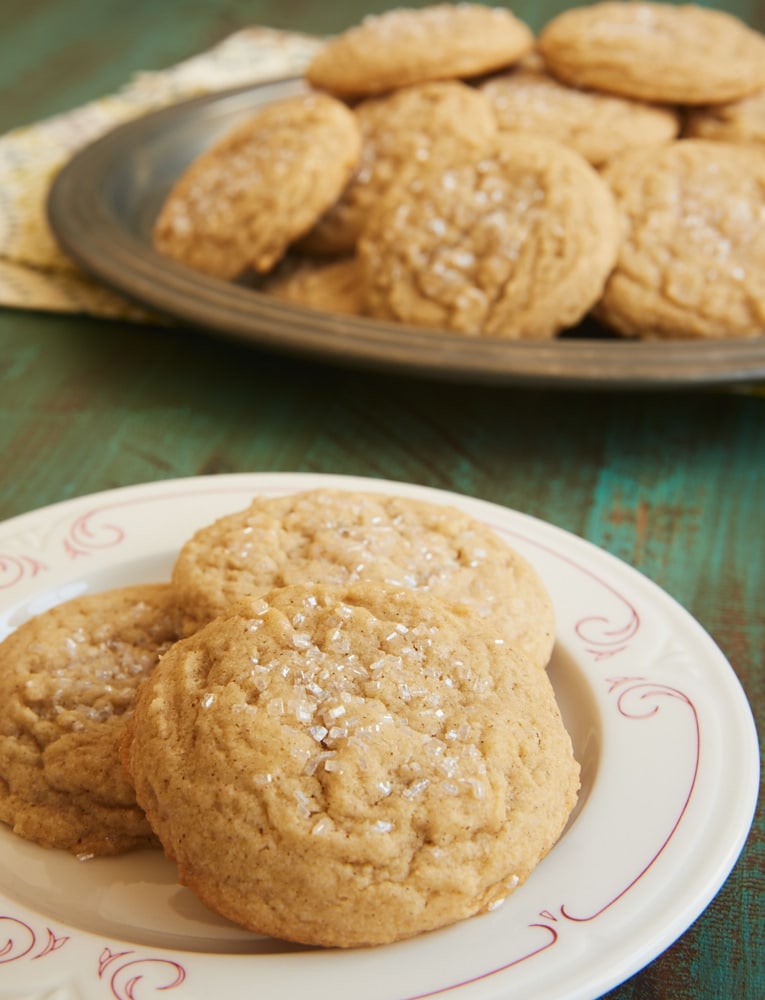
(692,264)
(516,243)
(338,537)
(398,128)
(403,46)
(329,285)
(595,124)
(68,679)
(241,203)
(351,766)
(735,121)
(660,52)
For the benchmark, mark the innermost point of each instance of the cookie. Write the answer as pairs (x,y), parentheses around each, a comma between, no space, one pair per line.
(595,124)
(517,243)
(329,285)
(396,129)
(68,679)
(655,52)
(692,263)
(264,184)
(736,121)
(338,537)
(404,46)
(351,766)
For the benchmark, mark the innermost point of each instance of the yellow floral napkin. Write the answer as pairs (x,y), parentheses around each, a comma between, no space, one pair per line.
(34,271)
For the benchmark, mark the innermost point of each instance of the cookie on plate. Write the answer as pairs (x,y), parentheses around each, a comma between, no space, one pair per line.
(241,203)
(595,124)
(516,243)
(329,285)
(351,766)
(735,121)
(655,52)
(68,679)
(398,128)
(338,537)
(692,263)
(404,46)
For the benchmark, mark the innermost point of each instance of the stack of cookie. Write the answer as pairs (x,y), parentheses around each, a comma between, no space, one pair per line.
(335,718)
(450,170)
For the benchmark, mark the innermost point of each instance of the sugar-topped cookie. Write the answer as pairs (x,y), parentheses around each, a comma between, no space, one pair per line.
(398,128)
(351,766)
(595,124)
(339,537)
(68,679)
(241,203)
(692,263)
(677,54)
(515,243)
(403,46)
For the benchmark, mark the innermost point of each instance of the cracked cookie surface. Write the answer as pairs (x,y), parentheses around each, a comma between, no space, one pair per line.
(516,243)
(260,187)
(595,124)
(68,679)
(339,537)
(692,263)
(396,129)
(683,54)
(404,46)
(369,762)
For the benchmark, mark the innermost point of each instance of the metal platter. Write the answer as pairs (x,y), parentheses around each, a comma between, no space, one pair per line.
(103,204)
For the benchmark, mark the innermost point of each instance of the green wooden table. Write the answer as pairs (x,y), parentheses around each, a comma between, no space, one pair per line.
(672,483)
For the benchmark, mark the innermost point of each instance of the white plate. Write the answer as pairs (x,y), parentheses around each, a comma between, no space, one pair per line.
(659,724)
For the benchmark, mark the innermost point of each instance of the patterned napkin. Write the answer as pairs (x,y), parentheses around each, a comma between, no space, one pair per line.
(34,271)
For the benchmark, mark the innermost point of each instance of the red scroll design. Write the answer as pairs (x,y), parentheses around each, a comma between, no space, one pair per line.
(13,569)
(639,699)
(87,534)
(131,977)
(18,940)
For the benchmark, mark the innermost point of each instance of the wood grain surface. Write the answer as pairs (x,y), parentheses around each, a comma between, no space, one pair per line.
(673,483)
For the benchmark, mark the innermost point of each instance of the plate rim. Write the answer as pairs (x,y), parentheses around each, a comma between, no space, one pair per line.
(92,232)
(291,481)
